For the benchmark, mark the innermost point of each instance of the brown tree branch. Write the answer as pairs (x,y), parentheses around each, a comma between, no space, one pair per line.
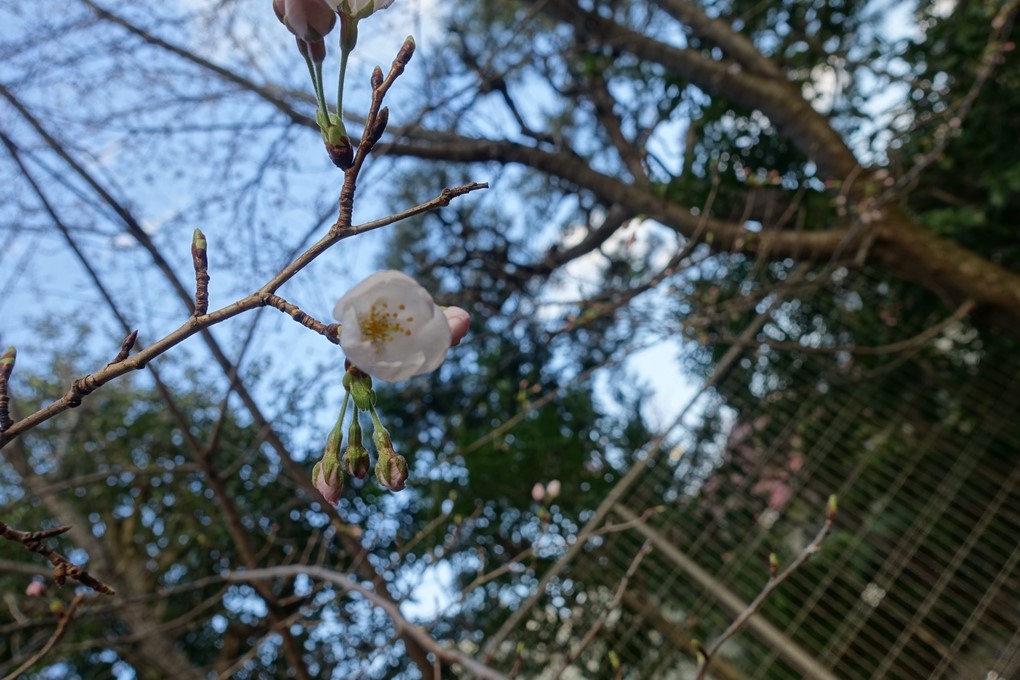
(63,568)
(273,95)
(720,234)
(775,580)
(419,634)
(778,99)
(339,231)
(720,33)
(897,242)
(88,384)
(62,625)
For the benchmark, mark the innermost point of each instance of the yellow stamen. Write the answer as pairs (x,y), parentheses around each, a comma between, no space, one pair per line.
(380,325)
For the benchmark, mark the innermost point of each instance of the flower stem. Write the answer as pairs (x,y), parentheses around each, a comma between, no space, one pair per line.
(376,423)
(348,39)
(343,409)
(340,84)
(320,91)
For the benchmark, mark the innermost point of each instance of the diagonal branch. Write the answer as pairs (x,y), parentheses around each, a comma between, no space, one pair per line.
(194,325)
(705,656)
(778,99)
(63,568)
(721,234)
(419,634)
(200,324)
(273,95)
(720,33)
(65,620)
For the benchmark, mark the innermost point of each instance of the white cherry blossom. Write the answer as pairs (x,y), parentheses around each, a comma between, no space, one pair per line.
(359,9)
(391,328)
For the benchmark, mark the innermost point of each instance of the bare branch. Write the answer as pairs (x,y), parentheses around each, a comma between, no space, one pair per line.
(722,34)
(419,634)
(63,569)
(1002,25)
(88,384)
(62,625)
(775,580)
(777,98)
(908,344)
(6,368)
(610,607)
(328,331)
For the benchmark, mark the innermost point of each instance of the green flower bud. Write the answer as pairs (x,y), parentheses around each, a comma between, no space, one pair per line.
(335,137)
(362,392)
(326,475)
(355,460)
(391,470)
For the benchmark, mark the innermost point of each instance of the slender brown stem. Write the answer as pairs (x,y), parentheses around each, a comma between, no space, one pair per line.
(6,368)
(419,634)
(612,606)
(705,656)
(328,331)
(62,625)
(88,384)
(35,541)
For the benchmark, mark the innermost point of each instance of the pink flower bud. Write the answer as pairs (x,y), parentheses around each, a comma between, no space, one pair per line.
(35,589)
(460,322)
(309,20)
(553,489)
(355,460)
(316,51)
(327,479)
(538,492)
(391,470)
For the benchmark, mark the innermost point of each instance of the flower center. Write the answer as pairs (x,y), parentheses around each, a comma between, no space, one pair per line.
(382,325)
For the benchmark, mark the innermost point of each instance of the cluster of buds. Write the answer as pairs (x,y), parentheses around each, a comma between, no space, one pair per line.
(310,21)
(544,495)
(541,493)
(391,467)
(390,328)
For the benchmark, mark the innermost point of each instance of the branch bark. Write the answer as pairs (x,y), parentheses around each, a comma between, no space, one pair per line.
(896,241)
(403,626)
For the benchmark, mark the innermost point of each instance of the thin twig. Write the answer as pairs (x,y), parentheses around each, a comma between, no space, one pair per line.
(419,634)
(608,528)
(65,621)
(328,331)
(35,541)
(775,580)
(88,384)
(910,343)
(612,606)
(998,43)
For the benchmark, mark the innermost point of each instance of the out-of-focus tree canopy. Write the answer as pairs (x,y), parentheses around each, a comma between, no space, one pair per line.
(660,174)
